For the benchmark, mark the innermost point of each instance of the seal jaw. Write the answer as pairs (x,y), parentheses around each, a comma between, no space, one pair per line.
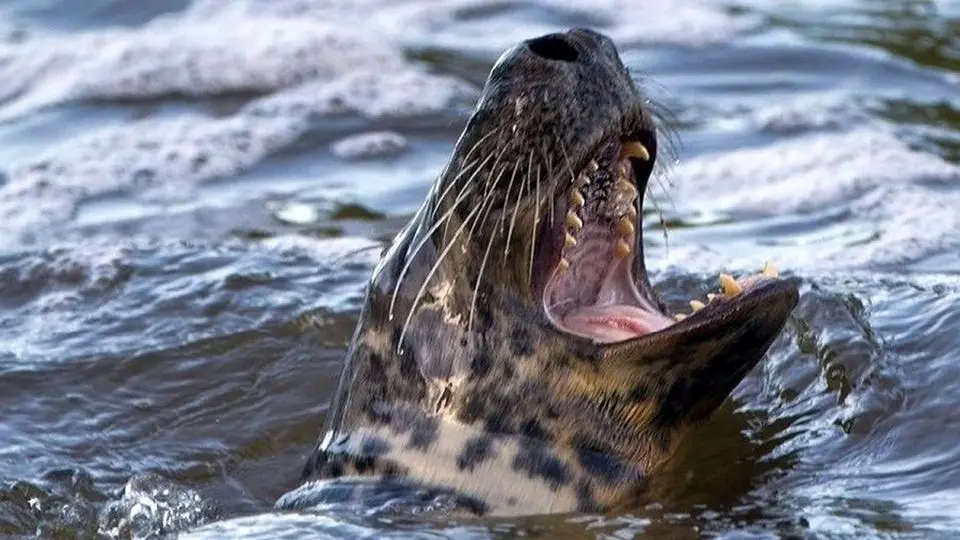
(590,255)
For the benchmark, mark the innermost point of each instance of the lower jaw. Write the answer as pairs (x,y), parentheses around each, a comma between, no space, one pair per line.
(611,319)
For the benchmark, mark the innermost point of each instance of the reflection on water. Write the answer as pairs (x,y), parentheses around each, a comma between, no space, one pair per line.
(187,221)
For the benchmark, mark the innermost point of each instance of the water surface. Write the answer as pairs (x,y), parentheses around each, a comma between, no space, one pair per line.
(193,194)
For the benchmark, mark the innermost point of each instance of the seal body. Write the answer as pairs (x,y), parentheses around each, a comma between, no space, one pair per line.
(511,349)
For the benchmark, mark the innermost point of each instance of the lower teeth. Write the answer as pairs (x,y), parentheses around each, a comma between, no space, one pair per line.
(730,288)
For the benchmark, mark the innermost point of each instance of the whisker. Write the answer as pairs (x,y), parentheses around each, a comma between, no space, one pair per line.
(536,222)
(506,202)
(468,187)
(566,159)
(466,167)
(561,302)
(516,208)
(486,254)
(548,158)
(493,167)
(433,270)
(484,201)
(667,123)
(663,222)
(353,252)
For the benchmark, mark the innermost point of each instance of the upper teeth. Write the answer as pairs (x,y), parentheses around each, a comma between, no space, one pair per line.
(620,206)
(634,149)
(622,169)
(627,187)
(576,198)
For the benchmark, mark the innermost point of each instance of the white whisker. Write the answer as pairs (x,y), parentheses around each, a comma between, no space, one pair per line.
(483,264)
(536,222)
(506,201)
(467,188)
(433,270)
(463,170)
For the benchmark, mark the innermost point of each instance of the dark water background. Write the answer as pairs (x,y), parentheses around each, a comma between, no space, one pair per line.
(185,206)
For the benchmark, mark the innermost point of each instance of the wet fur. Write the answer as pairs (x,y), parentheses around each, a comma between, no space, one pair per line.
(453,334)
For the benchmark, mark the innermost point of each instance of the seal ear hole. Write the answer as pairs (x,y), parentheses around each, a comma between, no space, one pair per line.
(553,47)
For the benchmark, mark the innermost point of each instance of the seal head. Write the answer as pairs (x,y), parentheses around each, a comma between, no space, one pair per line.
(511,348)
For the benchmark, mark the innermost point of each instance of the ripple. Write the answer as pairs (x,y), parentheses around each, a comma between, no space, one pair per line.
(99,299)
(209,357)
(902,214)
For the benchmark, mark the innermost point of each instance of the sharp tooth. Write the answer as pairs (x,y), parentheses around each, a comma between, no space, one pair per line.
(625,227)
(730,286)
(583,180)
(622,169)
(627,187)
(680,316)
(769,270)
(570,241)
(697,305)
(576,198)
(574,222)
(711,297)
(592,166)
(563,265)
(623,248)
(634,149)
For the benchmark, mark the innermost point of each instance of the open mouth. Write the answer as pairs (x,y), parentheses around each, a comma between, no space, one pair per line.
(591,256)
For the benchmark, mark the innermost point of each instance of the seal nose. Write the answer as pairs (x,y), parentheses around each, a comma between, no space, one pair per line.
(554,47)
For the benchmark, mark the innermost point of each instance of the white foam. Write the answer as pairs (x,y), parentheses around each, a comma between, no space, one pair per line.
(452,23)
(159,159)
(307,68)
(352,249)
(183,57)
(817,111)
(274,44)
(370,92)
(807,173)
(367,145)
(913,221)
(893,192)
(685,22)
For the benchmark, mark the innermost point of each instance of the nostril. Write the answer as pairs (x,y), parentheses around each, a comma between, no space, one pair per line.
(553,47)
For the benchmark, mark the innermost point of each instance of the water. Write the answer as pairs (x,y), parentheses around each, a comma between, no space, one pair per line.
(193,194)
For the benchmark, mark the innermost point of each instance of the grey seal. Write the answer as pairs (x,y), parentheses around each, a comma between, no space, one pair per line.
(511,348)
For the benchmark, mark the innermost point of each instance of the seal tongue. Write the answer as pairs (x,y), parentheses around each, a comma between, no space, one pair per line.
(612,318)
(608,324)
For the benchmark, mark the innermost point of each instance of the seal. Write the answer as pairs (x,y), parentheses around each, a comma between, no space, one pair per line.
(511,348)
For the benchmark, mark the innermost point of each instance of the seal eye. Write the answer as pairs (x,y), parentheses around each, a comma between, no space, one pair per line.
(553,47)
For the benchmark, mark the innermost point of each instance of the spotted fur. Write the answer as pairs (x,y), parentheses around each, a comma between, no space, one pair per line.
(456,378)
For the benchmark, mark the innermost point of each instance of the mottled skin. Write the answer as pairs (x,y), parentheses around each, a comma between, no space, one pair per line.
(472,395)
